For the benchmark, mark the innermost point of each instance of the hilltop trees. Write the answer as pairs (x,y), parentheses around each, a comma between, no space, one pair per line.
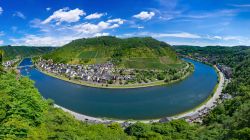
(11,52)
(1,56)
(177,129)
(137,52)
(1,59)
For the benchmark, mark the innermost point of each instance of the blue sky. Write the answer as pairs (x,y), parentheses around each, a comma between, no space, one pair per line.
(191,22)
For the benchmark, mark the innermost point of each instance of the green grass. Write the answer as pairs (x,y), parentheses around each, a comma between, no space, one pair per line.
(88,54)
(140,63)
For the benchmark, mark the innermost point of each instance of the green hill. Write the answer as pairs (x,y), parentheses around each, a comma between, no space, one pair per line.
(135,52)
(220,54)
(11,52)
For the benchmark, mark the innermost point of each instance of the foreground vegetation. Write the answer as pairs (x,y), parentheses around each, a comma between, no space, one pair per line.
(25,114)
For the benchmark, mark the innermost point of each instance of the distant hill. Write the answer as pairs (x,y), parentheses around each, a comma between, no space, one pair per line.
(134,52)
(11,52)
(220,54)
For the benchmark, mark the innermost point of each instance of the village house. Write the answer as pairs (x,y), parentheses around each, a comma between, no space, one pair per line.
(99,73)
(227,71)
(10,63)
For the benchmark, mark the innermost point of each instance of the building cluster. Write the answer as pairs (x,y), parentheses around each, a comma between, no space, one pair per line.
(198,116)
(227,71)
(97,73)
(10,63)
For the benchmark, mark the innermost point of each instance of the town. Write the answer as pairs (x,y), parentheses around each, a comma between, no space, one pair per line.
(227,71)
(96,73)
(108,74)
(10,63)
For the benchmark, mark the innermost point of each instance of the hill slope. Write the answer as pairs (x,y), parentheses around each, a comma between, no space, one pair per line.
(130,53)
(10,52)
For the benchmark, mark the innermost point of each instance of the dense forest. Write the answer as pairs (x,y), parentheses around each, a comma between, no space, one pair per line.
(230,119)
(140,53)
(229,56)
(24,114)
(11,52)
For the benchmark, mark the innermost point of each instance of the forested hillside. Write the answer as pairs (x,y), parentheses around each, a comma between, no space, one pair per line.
(230,56)
(139,53)
(230,119)
(11,52)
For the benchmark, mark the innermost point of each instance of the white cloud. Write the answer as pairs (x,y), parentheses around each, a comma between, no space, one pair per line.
(228,38)
(118,20)
(177,35)
(184,38)
(61,34)
(48,9)
(19,14)
(94,16)
(183,35)
(1,42)
(238,39)
(144,15)
(89,28)
(216,40)
(65,15)
(217,37)
(1,10)
(211,14)
(14,29)
(53,41)
(101,34)
(33,40)
(1,33)
(169,4)
(240,5)
(163,35)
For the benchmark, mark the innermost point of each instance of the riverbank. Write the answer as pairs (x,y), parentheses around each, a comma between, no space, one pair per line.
(115,86)
(209,104)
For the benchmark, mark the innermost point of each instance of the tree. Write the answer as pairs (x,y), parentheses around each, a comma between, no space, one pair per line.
(1,56)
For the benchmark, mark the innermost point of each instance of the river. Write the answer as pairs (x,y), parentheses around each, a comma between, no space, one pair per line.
(138,104)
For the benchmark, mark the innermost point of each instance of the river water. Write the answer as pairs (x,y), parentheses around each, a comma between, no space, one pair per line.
(138,104)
